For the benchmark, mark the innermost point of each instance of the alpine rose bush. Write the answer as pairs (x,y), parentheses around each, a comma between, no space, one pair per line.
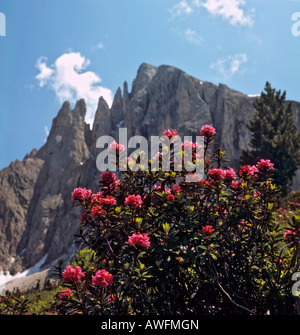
(158,244)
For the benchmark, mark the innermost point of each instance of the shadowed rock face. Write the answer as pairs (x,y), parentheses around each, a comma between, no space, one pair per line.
(37,215)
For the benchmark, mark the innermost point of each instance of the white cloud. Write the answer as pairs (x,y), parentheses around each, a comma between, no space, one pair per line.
(181,8)
(100,45)
(45,72)
(196,3)
(227,67)
(193,37)
(229,10)
(69,81)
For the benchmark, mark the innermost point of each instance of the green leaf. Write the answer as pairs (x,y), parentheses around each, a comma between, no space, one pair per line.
(166,228)
(193,295)
(142,253)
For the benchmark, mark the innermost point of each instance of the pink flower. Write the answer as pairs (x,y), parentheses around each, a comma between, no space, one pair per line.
(187,144)
(248,170)
(193,178)
(139,239)
(65,294)
(158,155)
(229,175)
(289,234)
(235,184)
(97,212)
(177,189)
(133,201)
(265,165)
(102,278)
(108,200)
(112,298)
(170,133)
(205,183)
(81,194)
(197,146)
(108,178)
(208,230)
(115,147)
(256,194)
(192,148)
(216,174)
(170,197)
(159,188)
(207,131)
(72,275)
(96,198)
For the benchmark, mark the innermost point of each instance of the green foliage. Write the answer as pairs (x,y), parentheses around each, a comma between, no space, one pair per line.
(43,302)
(12,305)
(275,137)
(87,259)
(36,302)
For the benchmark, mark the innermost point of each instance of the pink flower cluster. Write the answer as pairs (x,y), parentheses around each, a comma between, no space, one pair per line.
(115,147)
(108,178)
(81,194)
(208,230)
(207,131)
(170,133)
(65,294)
(139,239)
(190,145)
(108,200)
(96,198)
(248,171)
(229,175)
(216,174)
(102,278)
(265,165)
(171,197)
(262,166)
(289,234)
(72,275)
(177,189)
(97,212)
(133,201)
(157,156)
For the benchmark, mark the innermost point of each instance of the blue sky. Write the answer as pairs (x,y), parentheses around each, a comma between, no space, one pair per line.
(57,50)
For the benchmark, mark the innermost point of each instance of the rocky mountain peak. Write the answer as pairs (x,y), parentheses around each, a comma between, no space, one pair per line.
(144,75)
